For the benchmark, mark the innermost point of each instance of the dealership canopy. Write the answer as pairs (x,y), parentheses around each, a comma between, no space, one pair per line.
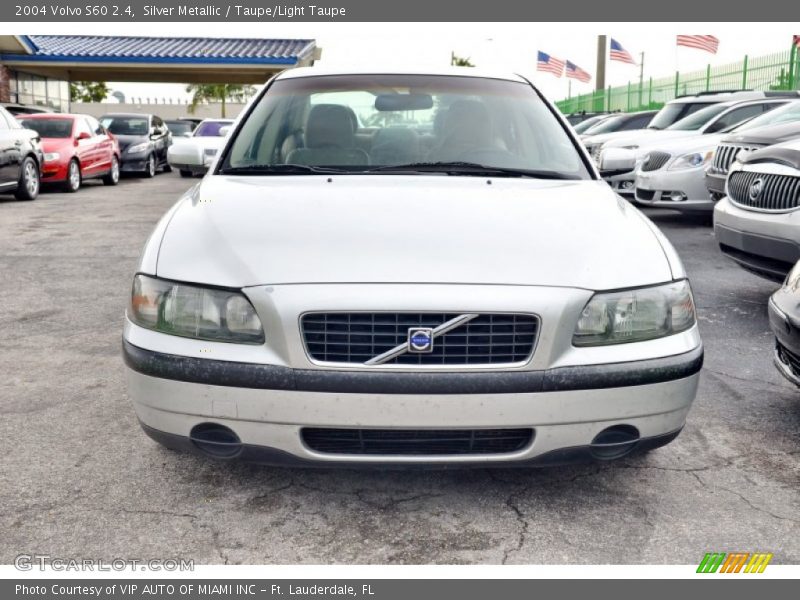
(159,59)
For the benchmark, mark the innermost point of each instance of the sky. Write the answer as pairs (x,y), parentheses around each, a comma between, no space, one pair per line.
(502,46)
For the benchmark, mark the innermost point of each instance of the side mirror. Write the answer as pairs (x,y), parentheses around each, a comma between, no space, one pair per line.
(224,130)
(83,135)
(186,134)
(616,161)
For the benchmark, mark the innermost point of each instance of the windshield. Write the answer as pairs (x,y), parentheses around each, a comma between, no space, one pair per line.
(783,114)
(179,127)
(675,112)
(355,123)
(126,125)
(608,125)
(697,119)
(589,123)
(50,128)
(210,128)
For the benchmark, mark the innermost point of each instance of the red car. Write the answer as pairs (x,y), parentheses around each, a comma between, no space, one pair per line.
(76,147)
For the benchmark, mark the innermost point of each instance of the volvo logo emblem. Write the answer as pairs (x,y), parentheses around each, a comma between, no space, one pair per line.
(420,340)
(755,189)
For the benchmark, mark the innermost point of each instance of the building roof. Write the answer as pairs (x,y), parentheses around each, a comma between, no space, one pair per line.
(156,59)
(83,48)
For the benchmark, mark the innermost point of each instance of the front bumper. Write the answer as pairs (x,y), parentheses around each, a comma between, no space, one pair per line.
(54,172)
(134,163)
(767,244)
(192,168)
(715,184)
(623,184)
(267,406)
(654,188)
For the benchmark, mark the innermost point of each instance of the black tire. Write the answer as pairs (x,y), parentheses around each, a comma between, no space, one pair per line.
(73,181)
(112,178)
(167,168)
(29,180)
(151,166)
(185,173)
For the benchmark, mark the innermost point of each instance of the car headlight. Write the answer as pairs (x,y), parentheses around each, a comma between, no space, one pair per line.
(194,311)
(635,315)
(136,148)
(691,160)
(51,156)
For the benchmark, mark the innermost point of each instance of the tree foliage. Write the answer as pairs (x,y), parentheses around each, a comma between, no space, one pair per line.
(88,91)
(218,92)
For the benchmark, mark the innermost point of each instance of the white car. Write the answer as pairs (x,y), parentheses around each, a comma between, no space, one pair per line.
(193,155)
(716,118)
(337,295)
(757,223)
(672,174)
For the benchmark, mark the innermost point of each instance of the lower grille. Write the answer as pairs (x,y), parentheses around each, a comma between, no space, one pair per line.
(790,359)
(355,338)
(655,160)
(415,442)
(645,194)
(764,191)
(724,156)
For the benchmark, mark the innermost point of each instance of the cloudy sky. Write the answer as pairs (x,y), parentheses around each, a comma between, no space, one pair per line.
(505,46)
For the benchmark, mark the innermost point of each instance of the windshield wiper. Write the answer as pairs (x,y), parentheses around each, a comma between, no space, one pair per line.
(468,168)
(279,169)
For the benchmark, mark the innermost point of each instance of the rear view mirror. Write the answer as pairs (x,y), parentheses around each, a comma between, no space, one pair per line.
(394,102)
(616,161)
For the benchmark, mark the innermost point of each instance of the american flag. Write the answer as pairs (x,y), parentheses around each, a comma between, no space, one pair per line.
(619,53)
(702,42)
(796,40)
(575,72)
(549,64)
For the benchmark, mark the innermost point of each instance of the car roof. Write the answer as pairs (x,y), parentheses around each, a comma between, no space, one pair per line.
(383,70)
(50,116)
(122,114)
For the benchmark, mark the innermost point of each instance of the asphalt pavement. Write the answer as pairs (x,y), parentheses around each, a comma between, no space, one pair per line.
(78,478)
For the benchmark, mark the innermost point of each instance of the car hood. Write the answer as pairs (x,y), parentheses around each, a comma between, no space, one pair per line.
(58,145)
(243,231)
(648,137)
(126,140)
(200,142)
(766,135)
(681,145)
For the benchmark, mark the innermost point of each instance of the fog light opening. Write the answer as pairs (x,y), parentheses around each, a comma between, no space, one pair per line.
(614,442)
(677,196)
(216,440)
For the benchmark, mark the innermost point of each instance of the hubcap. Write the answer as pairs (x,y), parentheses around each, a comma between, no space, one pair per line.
(151,166)
(31,180)
(115,170)
(74,176)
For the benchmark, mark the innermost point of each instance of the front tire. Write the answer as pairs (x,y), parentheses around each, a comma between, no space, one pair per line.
(73,181)
(113,175)
(28,186)
(150,167)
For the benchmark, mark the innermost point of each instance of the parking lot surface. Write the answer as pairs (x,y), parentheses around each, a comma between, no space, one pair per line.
(78,478)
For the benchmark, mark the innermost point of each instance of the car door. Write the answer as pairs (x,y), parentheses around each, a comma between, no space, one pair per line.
(12,142)
(160,139)
(103,149)
(84,146)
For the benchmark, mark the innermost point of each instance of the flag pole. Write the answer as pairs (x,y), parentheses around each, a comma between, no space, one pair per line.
(641,78)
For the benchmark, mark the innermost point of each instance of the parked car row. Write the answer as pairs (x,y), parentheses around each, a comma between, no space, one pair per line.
(63,149)
(738,158)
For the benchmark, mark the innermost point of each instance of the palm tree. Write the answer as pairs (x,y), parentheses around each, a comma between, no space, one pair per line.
(459,61)
(218,92)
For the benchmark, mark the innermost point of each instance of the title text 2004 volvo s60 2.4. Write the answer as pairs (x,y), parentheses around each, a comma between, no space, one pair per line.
(405,268)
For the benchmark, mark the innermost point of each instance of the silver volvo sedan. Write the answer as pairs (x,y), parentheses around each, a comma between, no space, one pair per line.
(408,268)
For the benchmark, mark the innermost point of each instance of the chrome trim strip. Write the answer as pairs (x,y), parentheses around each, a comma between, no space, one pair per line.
(438,331)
